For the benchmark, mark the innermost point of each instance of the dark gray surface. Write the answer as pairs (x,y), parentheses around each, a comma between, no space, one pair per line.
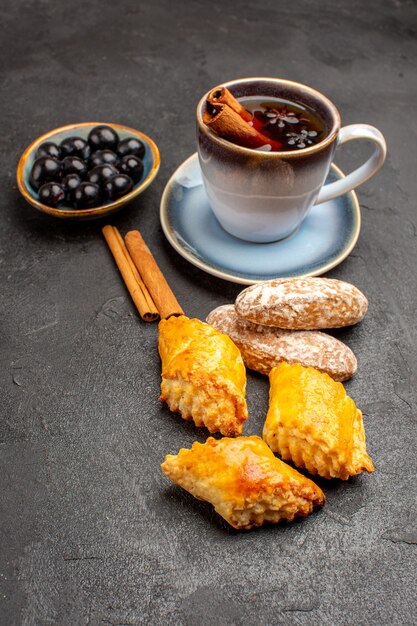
(91,531)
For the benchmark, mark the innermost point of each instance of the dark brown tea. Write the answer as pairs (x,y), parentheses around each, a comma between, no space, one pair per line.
(294,126)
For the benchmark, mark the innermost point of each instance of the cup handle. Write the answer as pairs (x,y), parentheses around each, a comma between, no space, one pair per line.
(363,172)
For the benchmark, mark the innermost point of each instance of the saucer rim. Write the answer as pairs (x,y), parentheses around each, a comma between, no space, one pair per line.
(168,232)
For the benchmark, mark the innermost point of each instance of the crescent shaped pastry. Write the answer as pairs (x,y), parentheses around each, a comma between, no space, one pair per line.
(312,422)
(244,481)
(203,375)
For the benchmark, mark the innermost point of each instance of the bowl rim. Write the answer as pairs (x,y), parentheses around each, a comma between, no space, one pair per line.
(93,211)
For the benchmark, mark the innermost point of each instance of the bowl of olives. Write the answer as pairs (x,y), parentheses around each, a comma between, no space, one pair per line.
(87,170)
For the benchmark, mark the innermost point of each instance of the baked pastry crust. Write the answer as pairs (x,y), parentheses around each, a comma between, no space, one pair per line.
(244,481)
(203,375)
(309,303)
(312,422)
(264,347)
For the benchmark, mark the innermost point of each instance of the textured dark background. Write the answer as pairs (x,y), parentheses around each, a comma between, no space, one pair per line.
(91,531)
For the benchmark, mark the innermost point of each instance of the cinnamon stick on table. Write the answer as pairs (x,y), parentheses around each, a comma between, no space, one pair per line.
(152,276)
(135,285)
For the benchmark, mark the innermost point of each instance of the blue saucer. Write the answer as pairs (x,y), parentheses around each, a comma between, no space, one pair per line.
(324,239)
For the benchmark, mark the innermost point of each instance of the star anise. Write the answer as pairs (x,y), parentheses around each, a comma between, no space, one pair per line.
(281,117)
(301,139)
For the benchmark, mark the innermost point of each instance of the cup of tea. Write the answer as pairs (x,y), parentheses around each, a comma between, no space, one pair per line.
(265,147)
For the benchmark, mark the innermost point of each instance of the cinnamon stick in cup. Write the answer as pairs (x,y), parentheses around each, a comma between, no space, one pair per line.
(137,289)
(228,124)
(221,95)
(152,276)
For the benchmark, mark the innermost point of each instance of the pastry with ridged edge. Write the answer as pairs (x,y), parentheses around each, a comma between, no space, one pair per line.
(312,422)
(247,485)
(203,375)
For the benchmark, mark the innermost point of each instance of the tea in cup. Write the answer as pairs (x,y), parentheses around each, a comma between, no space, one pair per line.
(265,147)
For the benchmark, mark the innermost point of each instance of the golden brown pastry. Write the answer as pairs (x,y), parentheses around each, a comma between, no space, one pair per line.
(244,481)
(312,422)
(203,375)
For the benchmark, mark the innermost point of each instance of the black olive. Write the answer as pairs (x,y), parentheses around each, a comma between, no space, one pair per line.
(44,170)
(74,165)
(131,145)
(48,148)
(75,146)
(132,166)
(70,184)
(52,193)
(103,137)
(86,196)
(118,186)
(101,157)
(101,173)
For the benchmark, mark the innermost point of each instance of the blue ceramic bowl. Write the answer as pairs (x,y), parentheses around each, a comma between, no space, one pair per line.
(151,162)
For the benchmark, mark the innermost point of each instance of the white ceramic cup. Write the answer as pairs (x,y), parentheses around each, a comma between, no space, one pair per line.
(264,196)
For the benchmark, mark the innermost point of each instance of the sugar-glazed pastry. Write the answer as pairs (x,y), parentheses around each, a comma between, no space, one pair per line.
(264,347)
(302,303)
(312,422)
(244,481)
(203,375)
